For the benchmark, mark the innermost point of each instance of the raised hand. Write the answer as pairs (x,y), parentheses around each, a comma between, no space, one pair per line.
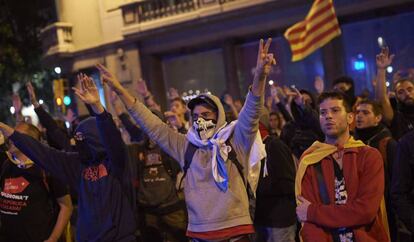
(298,97)
(172,93)
(32,94)
(115,103)
(89,93)
(263,67)
(113,83)
(173,119)
(109,78)
(274,94)
(142,88)
(384,59)
(228,99)
(264,59)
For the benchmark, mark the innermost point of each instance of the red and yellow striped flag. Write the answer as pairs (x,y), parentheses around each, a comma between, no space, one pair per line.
(319,27)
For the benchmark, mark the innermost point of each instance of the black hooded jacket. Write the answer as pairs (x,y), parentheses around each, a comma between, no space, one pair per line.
(98,175)
(305,129)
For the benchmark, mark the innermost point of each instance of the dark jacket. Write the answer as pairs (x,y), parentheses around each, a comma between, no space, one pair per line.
(105,209)
(275,195)
(380,138)
(402,184)
(363,173)
(56,137)
(305,129)
(403,120)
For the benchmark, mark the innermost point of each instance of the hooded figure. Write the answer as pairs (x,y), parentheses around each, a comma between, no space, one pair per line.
(215,191)
(99,172)
(88,143)
(304,129)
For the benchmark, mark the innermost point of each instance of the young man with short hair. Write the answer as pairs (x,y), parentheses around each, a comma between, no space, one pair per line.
(372,132)
(340,183)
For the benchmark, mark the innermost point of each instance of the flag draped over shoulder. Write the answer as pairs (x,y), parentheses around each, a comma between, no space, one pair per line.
(319,27)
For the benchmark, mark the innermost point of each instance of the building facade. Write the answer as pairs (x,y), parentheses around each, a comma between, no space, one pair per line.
(194,45)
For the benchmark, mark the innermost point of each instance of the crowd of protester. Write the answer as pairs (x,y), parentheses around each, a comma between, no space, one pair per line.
(285,164)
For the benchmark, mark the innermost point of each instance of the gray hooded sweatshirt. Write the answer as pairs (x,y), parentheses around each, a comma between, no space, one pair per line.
(209,208)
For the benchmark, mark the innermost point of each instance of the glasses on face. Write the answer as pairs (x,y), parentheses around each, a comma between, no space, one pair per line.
(204,115)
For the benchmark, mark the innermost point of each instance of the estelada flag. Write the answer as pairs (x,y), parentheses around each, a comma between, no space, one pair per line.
(319,27)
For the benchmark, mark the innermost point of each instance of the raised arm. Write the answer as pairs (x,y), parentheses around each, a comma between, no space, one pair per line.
(108,132)
(133,130)
(62,165)
(149,100)
(275,91)
(57,137)
(383,60)
(248,121)
(170,141)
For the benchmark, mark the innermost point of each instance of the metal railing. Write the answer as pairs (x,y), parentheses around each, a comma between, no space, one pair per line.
(149,10)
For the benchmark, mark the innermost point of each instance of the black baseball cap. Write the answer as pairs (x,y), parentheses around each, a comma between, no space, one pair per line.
(200,100)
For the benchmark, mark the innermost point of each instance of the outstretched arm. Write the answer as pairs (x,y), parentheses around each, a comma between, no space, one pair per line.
(133,130)
(172,142)
(383,60)
(62,165)
(248,122)
(109,134)
(58,138)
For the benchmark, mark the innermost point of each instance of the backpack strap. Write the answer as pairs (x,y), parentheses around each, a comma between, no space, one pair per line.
(323,192)
(188,158)
(232,156)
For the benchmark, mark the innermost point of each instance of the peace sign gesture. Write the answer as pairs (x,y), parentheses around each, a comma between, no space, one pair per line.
(264,59)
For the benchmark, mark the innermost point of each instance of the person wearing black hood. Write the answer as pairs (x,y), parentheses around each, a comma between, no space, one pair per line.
(96,171)
(400,120)
(304,129)
(372,132)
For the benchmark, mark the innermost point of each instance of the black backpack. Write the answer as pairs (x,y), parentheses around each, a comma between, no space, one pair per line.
(161,192)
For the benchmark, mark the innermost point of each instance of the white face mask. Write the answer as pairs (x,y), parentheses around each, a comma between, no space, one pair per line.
(204,128)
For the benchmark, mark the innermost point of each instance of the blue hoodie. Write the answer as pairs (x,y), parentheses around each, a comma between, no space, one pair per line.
(105,205)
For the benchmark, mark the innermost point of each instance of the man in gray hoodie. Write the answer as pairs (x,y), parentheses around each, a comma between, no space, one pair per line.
(215,187)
